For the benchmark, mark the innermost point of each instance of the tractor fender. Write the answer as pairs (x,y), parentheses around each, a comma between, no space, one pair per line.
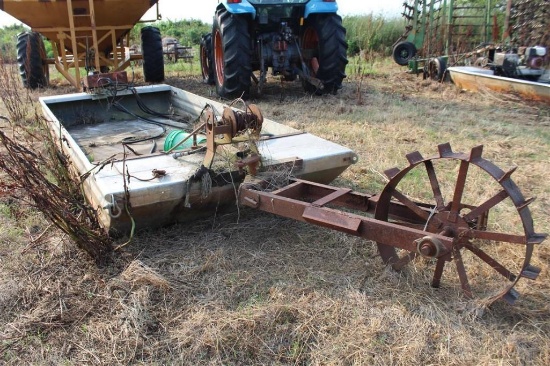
(243,7)
(320,6)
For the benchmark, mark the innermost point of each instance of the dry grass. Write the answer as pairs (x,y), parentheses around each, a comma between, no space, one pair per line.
(249,288)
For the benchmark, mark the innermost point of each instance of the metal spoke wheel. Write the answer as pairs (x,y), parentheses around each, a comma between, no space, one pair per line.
(471,200)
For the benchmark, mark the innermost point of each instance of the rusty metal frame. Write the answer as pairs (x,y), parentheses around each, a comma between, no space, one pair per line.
(320,204)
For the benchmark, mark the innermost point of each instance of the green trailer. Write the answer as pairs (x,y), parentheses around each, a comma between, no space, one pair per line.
(443,31)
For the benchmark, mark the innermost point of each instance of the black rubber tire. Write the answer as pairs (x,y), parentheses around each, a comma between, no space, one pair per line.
(403,52)
(231,51)
(207,65)
(481,62)
(437,68)
(152,54)
(31,60)
(330,51)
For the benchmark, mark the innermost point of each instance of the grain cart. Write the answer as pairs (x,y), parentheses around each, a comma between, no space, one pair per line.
(84,34)
(295,38)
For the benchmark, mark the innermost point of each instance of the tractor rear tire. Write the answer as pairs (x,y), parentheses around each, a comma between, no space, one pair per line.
(403,52)
(324,45)
(207,67)
(232,54)
(152,54)
(31,60)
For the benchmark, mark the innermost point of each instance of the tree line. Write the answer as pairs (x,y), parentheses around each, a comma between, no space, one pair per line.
(365,32)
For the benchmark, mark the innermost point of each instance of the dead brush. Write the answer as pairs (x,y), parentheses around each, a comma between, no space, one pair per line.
(38,173)
(18,105)
(60,203)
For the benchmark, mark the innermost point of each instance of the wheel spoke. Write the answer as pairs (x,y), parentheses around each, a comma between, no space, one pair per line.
(438,272)
(411,205)
(462,273)
(494,236)
(440,202)
(486,206)
(459,188)
(490,261)
(387,253)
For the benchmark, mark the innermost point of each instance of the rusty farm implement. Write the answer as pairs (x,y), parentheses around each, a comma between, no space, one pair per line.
(446,227)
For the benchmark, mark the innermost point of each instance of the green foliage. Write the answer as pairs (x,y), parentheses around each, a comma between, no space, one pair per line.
(372,33)
(188,32)
(8,41)
(49,50)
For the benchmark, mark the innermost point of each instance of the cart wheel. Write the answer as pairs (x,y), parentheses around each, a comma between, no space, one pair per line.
(403,52)
(491,253)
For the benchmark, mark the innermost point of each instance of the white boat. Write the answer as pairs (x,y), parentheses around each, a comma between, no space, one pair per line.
(109,137)
(479,79)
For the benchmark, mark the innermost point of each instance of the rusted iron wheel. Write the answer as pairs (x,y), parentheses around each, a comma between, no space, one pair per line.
(452,194)
(481,62)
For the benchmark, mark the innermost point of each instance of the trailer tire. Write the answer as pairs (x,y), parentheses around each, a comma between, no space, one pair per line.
(31,60)
(207,68)
(437,68)
(481,62)
(152,54)
(403,52)
(324,44)
(231,51)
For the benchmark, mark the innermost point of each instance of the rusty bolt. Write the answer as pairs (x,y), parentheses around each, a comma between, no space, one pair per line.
(429,247)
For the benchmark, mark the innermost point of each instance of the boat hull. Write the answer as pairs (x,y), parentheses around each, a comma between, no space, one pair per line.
(89,130)
(478,79)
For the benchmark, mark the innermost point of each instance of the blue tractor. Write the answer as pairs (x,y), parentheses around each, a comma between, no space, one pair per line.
(301,39)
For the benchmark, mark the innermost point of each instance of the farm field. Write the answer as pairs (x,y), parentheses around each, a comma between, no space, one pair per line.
(248,288)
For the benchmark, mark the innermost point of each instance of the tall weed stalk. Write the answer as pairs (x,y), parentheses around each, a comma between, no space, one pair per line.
(17,103)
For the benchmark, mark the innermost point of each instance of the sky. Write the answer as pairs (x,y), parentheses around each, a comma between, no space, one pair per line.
(204,9)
